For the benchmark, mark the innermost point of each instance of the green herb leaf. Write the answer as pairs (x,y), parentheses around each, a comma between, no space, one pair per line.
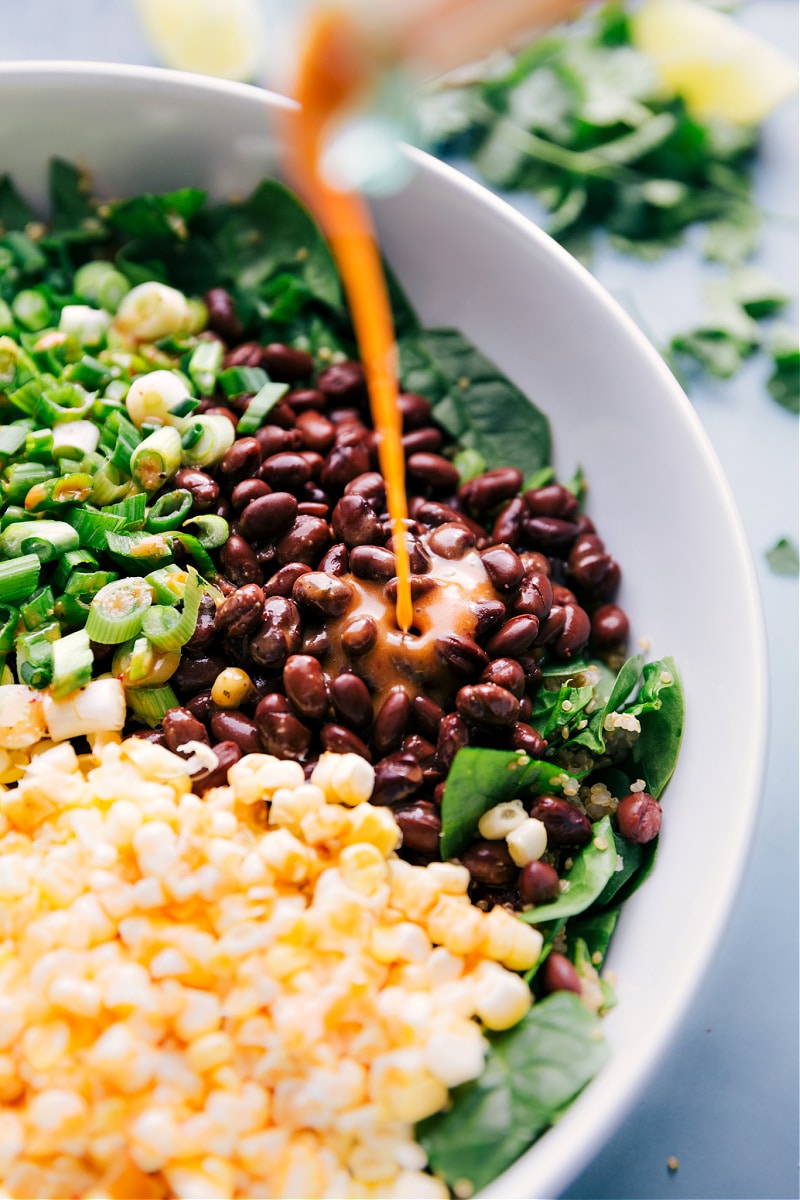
(468,392)
(69,197)
(591,871)
(479,779)
(14,212)
(532,1073)
(659,707)
(784,382)
(783,558)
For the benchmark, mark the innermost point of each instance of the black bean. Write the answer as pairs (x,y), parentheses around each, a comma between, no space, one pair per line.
(428,715)
(453,736)
(284,579)
(274,440)
(372,562)
(196,674)
(639,817)
(490,863)
(204,630)
(513,638)
(344,383)
(222,315)
(423,750)
(302,400)
(352,702)
(566,825)
(549,533)
(451,540)
(552,500)
(419,560)
(487,704)
(239,562)
(432,471)
(322,595)
(552,626)
(489,615)
(305,685)
(318,432)
(538,883)
(463,656)
(179,726)
(240,613)
(398,777)
(203,489)
(248,354)
(559,975)
(486,491)
(279,635)
(222,410)
(305,541)
(355,522)
(231,725)
(336,560)
(525,737)
(339,740)
(359,636)
(506,673)
(508,526)
(414,409)
(421,826)
(281,733)
(201,706)
(243,459)
(610,626)
(285,364)
(371,486)
(248,490)
(421,585)
(317,643)
(535,595)
(286,471)
(227,754)
(503,566)
(422,441)
(575,634)
(344,463)
(391,721)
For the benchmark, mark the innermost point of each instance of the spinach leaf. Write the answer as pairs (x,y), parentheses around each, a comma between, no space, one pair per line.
(70,202)
(783,558)
(588,876)
(592,737)
(532,1073)
(473,401)
(660,710)
(594,930)
(784,382)
(270,232)
(481,778)
(629,859)
(14,212)
(157,216)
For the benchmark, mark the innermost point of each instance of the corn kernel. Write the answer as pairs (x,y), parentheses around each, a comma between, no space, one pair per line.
(498,822)
(345,778)
(527,842)
(455,925)
(510,941)
(377,825)
(209,1051)
(502,999)
(289,805)
(362,868)
(231,688)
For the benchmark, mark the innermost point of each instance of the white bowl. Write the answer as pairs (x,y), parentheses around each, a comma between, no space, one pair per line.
(657,494)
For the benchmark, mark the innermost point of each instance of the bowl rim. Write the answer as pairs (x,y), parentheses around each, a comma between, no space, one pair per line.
(558,1160)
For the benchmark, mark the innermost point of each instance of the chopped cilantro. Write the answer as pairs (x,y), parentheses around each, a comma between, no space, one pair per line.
(783,558)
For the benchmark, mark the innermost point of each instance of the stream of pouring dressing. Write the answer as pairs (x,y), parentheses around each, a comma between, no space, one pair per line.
(332,72)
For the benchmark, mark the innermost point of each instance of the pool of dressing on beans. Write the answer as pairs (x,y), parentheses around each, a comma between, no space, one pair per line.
(332,74)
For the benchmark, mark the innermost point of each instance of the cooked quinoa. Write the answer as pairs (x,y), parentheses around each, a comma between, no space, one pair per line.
(244,995)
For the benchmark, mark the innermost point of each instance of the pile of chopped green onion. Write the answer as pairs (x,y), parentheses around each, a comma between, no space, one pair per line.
(98,399)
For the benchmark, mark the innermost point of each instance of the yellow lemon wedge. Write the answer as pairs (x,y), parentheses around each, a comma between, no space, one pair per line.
(719,68)
(212,37)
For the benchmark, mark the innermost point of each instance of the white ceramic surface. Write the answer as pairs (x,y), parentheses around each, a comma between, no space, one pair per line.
(656,492)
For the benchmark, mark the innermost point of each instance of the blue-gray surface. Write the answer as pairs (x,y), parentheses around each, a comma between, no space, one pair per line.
(725,1101)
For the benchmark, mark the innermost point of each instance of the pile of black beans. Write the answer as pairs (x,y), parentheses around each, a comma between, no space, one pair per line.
(307,513)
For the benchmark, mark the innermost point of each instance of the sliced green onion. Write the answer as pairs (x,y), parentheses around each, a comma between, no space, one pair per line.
(101,283)
(239,381)
(82,436)
(69,489)
(19,578)
(168,583)
(27,396)
(16,367)
(46,539)
(63,402)
(87,324)
(139,664)
(131,509)
(127,439)
(90,373)
(204,366)
(150,705)
(211,531)
(26,252)
(40,609)
(72,611)
(217,437)
(155,395)
(116,391)
(39,446)
(12,439)
(20,477)
(9,620)
(115,614)
(72,664)
(30,309)
(12,514)
(165,627)
(185,407)
(157,458)
(89,583)
(34,652)
(6,318)
(191,434)
(91,463)
(69,562)
(109,486)
(169,511)
(197,551)
(93,527)
(265,399)
(136,552)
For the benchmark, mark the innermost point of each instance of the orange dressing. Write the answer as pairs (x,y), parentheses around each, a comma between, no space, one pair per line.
(332,73)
